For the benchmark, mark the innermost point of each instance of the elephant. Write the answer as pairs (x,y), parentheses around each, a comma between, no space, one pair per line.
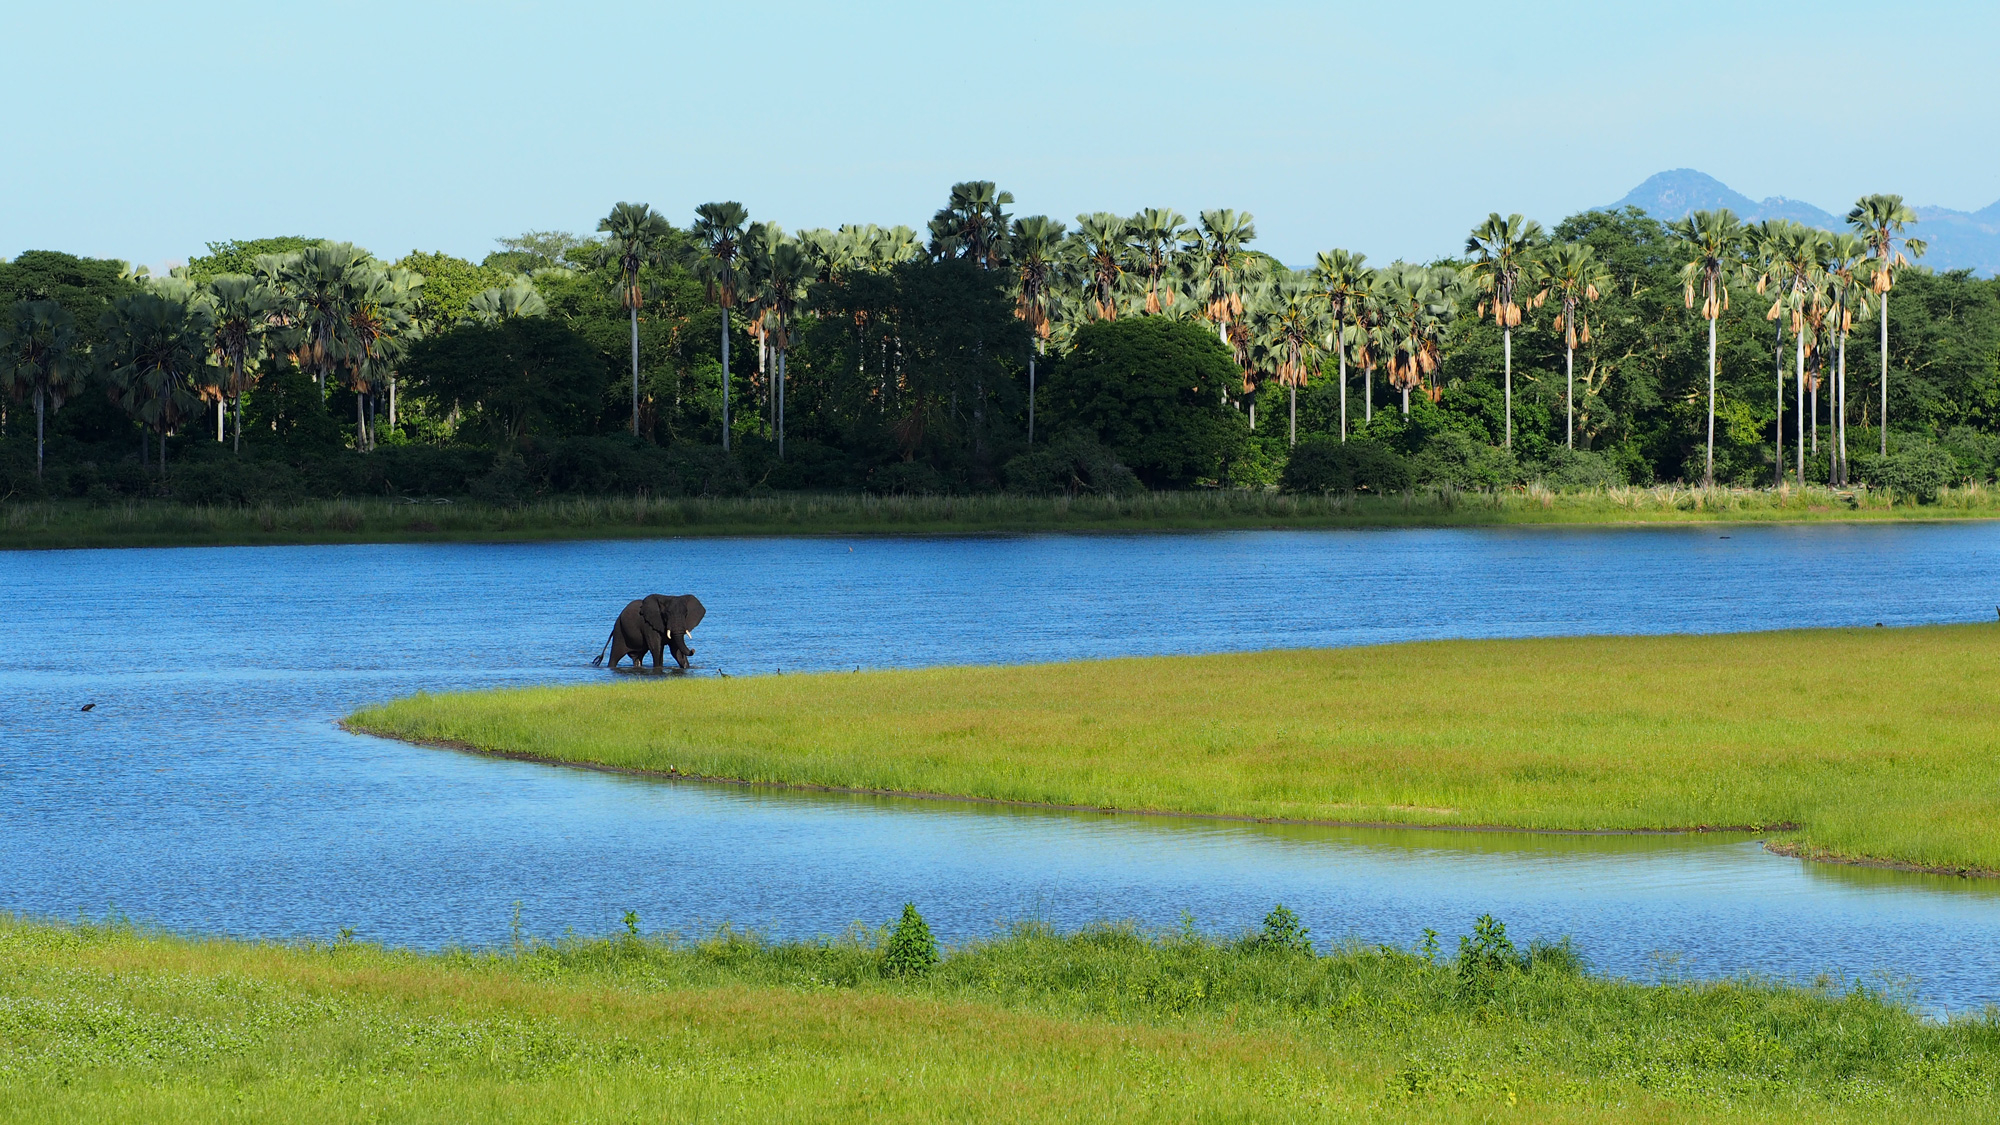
(654,623)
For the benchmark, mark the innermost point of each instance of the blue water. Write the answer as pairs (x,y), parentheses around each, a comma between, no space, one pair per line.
(209,789)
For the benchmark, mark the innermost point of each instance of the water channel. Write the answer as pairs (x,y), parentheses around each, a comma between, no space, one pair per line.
(208,790)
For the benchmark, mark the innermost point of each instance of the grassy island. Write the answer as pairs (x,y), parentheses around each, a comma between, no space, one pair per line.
(1864,744)
(36,525)
(107,1023)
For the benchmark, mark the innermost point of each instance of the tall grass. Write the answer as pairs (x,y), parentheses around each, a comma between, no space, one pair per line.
(150,523)
(106,1023)
(1874,743)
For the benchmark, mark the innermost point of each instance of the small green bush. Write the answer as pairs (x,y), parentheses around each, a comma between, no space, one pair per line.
(1455,459)
(1283,931)
(1569,469)
(907,478)
(1071,465)
(911,951)
(1919,468)
(1323,463)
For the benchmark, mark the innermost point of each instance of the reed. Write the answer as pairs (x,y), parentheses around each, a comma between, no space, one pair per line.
(1875,744)
(65,524)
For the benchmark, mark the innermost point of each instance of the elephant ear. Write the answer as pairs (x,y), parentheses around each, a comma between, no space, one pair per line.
(655,610)
(685,612)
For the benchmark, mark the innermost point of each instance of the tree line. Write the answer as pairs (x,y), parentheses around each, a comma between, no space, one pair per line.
(1001,351)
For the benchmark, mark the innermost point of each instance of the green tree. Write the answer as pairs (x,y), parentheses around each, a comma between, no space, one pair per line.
(1711,240)
(515,378)
(1035,246)
(1157,235)
(1344,281)
(518,297)
(1846,256)
(1099,251)
(242,311)
(240,256)
(1506,250)
(1150,389)
(157,349)
(1219,255)
(972,224)
(1572,274)
(41,358)
(718,229)
(1295,323)
(638,238)
(320,284)
(1880,219)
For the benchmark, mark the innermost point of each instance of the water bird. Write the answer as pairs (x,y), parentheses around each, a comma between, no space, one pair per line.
(86,706)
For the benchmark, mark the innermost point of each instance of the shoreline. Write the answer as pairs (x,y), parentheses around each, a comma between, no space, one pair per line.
(76,525)
(1775,847)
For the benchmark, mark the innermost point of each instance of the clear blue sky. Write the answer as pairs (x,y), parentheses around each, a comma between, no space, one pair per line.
(141,131)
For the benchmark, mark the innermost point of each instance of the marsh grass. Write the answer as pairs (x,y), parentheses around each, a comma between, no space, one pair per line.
(59,524)
(1875,743)
(110,1023)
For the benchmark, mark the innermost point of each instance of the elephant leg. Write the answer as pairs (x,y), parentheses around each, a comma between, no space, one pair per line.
(659,657)
(681,650)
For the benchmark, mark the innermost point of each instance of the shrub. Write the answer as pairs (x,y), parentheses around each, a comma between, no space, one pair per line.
(1283,931)
(906,478)
(1977,453)
(1323,463)
(1455,459)
(1151,389)
(1568,468)
(1919,468)
(1071,465)
(910,950)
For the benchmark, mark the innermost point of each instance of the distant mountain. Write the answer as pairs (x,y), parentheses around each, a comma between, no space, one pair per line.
(1958,239)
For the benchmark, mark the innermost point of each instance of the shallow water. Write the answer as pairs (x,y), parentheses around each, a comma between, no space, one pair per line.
(209,789)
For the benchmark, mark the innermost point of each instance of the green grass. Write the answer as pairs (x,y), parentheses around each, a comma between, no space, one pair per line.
(61,524)
(1876,743)
(110,1024)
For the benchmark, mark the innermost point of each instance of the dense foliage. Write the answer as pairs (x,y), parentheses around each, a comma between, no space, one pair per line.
(1164,354)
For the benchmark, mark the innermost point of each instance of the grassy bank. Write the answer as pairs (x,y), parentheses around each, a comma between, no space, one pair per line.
(77,524)
(1876,743)
(108,1024)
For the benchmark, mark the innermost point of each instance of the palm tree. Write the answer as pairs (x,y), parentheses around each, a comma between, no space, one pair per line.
(319,283)
(1506,249)
(1790,256)
(640,237)
(518,297)
(1712,239)
(41,357)
(1343,283)
(381,320)
(972,224)
(786,274)
(1845,255)
(1100,249)
(1157,234)
(1036,246)
(1219,251)
(1295,321)
(242,309)
(1573,274)
(1419,310)
(1880,220)
(718,227)
(156,357)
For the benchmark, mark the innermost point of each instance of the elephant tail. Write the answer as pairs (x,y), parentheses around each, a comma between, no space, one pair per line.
(607,648)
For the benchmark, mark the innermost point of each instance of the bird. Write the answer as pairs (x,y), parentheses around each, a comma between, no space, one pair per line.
(86,706)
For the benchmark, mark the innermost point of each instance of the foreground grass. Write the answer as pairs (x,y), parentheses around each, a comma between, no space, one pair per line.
(63,524)
(109,1024)
(1875,743)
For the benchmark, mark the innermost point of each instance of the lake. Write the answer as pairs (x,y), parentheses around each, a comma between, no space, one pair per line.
(209,790)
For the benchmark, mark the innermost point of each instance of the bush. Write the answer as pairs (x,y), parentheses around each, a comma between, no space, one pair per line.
(1453,458)
(910,950)
(1568,469)
(1150,389)
(1918,468)
(1977,453)
(1323,463)
(1284,932)
(1071,465)
(625,465)
(906,478)
(232,482)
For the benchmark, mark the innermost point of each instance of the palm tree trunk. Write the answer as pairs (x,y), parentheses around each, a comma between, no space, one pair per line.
(1708,475)
(392,402)
(360,426)
(163,453)
(1406,402)
(1799,409)
(1293,439)
(1031,396)
(239,423)
(1367,394)
(725,379)
(1885,375)
(635,371)
(1840,417)
(1778,363)
(38,433)
(1507,342)
(221,419)
(1342,352)
(781,406)
(1569,398)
